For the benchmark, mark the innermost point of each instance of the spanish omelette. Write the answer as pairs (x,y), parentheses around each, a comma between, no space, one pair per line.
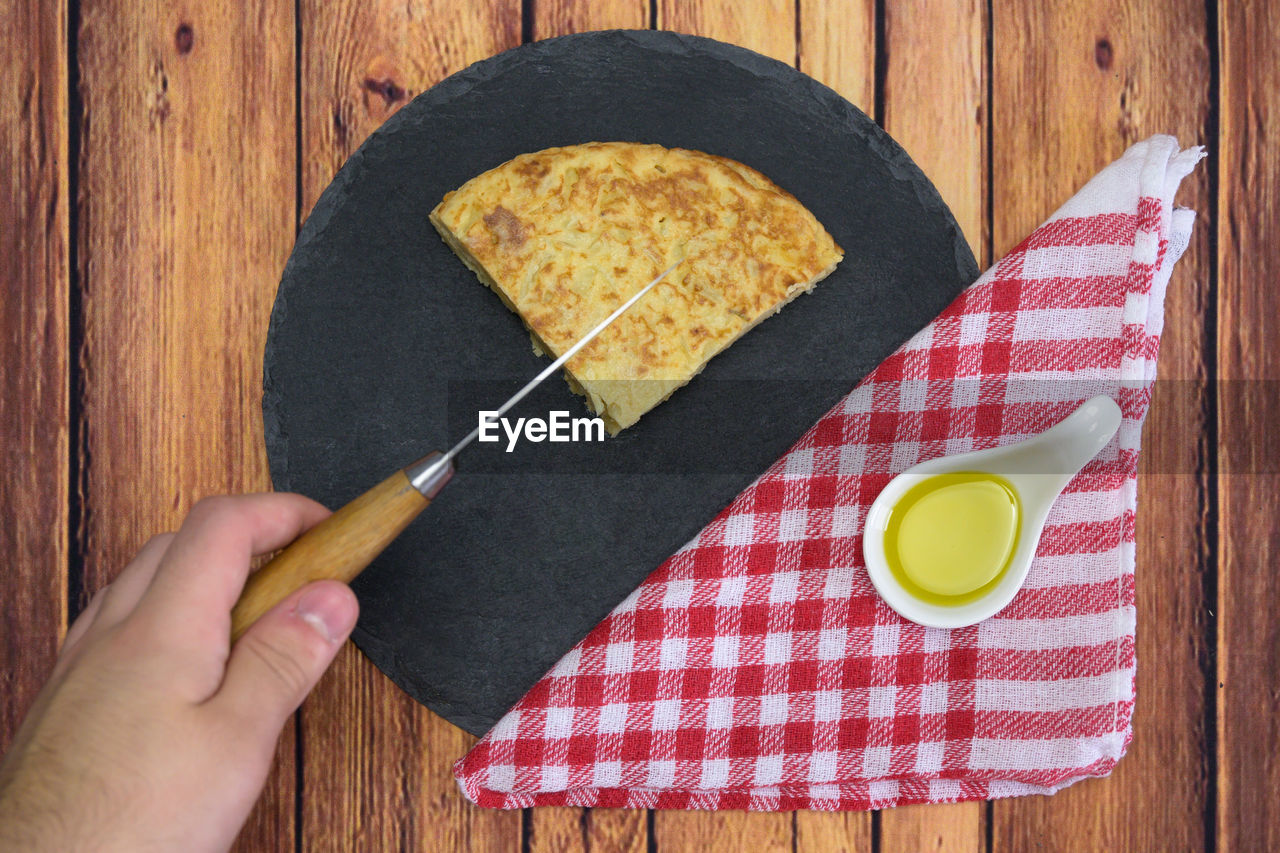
(565,235)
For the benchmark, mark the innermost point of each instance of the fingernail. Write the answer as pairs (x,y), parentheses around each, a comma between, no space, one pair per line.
(327,610)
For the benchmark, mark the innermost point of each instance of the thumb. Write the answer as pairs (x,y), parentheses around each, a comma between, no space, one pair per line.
(280,658)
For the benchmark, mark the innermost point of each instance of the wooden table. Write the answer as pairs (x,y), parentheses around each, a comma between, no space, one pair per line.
(156,159)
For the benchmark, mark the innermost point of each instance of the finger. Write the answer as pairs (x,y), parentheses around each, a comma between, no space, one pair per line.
(281,657)
(81,626)
(201,575)
(117,599)
(127,589)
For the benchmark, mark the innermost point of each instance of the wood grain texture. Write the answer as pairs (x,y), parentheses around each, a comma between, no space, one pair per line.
(1248,670)
(377,764)
(935,92)
(362,60)
(338,548)
(574,830)
(562,17)
(34,290)
(1074,84)
(834,832)
(725,832)
(378,771)
(934,96)
(838,48)
(188,181)
(940,828)
(765,26)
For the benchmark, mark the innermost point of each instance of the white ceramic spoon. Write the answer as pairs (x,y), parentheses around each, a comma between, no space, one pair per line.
(1038,469)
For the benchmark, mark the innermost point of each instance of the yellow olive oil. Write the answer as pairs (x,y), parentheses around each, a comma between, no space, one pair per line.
(951,537)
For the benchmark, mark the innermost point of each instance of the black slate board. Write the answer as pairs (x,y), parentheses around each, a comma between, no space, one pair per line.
(382,346)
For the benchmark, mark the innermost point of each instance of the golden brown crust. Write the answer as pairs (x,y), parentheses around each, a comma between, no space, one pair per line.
(565,235)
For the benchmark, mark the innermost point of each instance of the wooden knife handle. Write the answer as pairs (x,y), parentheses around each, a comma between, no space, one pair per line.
(337,548)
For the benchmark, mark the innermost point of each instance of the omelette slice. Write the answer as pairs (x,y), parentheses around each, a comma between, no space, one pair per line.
(566,235)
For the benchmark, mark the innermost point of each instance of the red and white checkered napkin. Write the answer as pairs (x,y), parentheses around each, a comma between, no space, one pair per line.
(758,669)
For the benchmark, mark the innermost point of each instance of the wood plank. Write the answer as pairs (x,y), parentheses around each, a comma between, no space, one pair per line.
(34,413)
(573,830)
(187,217)
(1248,671)
(378,771)
(934,96)
(935,92)
(838,48)
(725,832)
(376,763)
(942,827)
(552,830)
(362,61)
(766,26)
(1073,85)
(834,832)
(562,17)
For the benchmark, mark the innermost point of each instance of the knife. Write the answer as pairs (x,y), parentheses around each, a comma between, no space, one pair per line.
(341,546)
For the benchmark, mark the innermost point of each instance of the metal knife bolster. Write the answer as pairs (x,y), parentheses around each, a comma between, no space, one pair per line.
(430,473)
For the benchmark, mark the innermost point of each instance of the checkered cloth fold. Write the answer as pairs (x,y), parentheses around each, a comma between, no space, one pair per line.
(758,669)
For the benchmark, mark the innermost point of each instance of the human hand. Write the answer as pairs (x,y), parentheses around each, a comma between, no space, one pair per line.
(152,733)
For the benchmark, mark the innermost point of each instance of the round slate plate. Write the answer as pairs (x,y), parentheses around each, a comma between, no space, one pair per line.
(383,346)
